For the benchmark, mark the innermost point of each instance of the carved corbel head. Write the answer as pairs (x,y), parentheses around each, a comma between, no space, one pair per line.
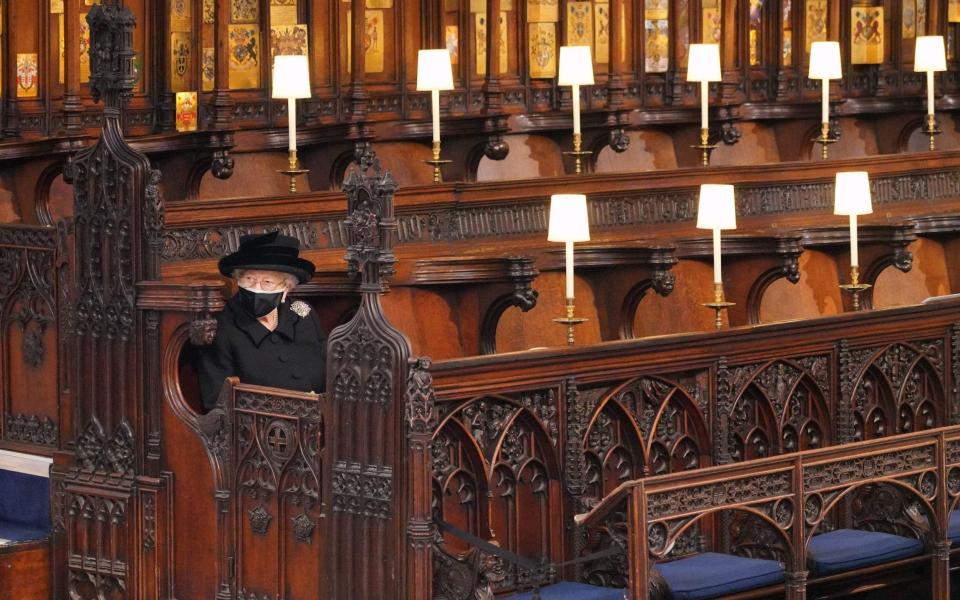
(663,282)
(791,268)
(903,258)
(221,164)
(619,140)
(203,329)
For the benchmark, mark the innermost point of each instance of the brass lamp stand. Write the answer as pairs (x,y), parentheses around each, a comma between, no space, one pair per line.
(293,170)
(719,304)
(932,130)
(577,153)
(705,147)
(436,163)
(855,288)
(824,140)
(570,321)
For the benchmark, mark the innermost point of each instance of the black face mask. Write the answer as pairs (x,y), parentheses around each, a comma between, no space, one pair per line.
(259,304)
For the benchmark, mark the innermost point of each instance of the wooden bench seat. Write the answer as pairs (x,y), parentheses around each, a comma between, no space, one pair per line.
(711,574)
(847,549)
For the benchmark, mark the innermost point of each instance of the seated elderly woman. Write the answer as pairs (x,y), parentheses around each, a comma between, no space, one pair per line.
(262,338)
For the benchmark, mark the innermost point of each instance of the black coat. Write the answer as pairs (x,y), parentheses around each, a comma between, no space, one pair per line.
(293,356)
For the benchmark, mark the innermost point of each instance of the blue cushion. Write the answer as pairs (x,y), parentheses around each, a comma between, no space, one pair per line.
(24,500)
(567,590)
(11,533)
(846,549)
(708,575)
(953,531)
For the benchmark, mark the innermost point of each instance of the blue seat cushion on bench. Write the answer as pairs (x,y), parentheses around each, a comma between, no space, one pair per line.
(846,549)
(709,574)
(24,500)
(13,533)
(953,531)
(567,590)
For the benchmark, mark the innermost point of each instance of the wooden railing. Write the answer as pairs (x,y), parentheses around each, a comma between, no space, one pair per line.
(795,497)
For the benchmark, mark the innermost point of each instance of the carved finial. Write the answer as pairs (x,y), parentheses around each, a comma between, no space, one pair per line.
(370,221)
(111,52)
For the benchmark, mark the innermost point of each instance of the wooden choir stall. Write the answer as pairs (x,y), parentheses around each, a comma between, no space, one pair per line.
(790,428)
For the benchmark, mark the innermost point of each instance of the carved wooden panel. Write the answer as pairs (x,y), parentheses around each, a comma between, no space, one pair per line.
(897,388)
(29,365)
(279,450)
(782,406)
(646,426)
(496,473)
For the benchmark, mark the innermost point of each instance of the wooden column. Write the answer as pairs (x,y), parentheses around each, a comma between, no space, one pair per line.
(358,93)
(222,99)
(10,125)
(493,95)
(615,86)
(420,424)
(72,105)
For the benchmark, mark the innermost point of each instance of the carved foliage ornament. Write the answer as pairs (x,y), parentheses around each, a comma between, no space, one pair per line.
(363,489)
(95,452)
(420,402)
(30,429)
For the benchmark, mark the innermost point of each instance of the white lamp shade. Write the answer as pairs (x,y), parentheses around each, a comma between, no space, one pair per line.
(825,60)
(434,71)
(291,77)
(930,54)
(852,194)
(569,221)
(576,66)
(717,208)
(703,62)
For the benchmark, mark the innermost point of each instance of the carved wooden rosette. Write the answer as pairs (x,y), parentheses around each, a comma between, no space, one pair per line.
(108,478)
(369,500)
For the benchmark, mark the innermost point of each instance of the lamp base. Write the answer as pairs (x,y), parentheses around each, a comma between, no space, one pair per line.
(570,321)
(577,153)
(705,147)
(855,288)
(824,140)
(931,130)
(436,163)
(293,171)
(718,305)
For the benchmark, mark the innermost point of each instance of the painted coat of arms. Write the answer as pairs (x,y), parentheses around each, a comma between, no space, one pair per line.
(580,24)
(543,50)
(244,57)
(28,75)
(866,34)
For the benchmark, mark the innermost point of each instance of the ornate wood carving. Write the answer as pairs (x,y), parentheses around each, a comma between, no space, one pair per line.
(118,216)
(278,449)
(528,214)
(367,374)
(30,429)
(506,449)
(29,311)
(781,407)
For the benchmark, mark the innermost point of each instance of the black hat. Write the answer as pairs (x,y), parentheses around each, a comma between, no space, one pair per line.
(268,252)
